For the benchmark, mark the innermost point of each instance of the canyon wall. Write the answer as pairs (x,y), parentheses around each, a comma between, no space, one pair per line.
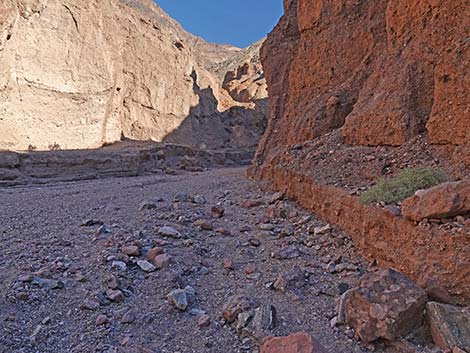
(80,74)
(381,71)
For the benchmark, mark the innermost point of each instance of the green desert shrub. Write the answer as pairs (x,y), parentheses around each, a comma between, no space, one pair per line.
(404,185)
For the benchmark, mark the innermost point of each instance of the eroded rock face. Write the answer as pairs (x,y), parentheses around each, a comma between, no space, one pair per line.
(79,74)
(382,71)
(443,201)
(386,304)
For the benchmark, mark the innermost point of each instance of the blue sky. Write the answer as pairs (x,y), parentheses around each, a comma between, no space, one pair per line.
(239,22)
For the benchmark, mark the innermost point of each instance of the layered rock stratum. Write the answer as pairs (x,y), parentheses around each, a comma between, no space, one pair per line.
(80,74)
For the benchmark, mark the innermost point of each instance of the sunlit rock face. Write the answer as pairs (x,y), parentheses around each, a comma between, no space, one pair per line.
(80,74)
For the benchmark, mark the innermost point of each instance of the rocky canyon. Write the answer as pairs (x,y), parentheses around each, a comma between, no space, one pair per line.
(81,74)
(306,194)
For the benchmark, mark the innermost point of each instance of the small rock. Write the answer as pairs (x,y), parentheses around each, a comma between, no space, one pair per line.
(179,299)
(200,200)
(169,232)
(131,250)
(146,266)
(90,304)
(147,205)
(393,210)
(162,261)
(115,295)
(101,320)
(250,269)
(119,265)
(321,230)
(255,242)
(129,317)
(278,196)
(251,203)
(183,197)
(287,253)
(91,223)
(46,283)
(257,323)
(228,264)
(217,212)
(223,231)
(204,321)
(203,224)
(234,306)
(154,252)
(103,230)
(266,226)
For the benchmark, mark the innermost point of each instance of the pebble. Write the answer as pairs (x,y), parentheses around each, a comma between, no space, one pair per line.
(115,295)
(228,264)
(90,304)
(183,197)
(217,212)
(147,205)
(204,321)
(203,224)
(266,226)
(223,231)
(119,265)
(146,266)
(162,261)
(179,299)
(101,320)
(169,232)
(129,317)
(131,250)
(287,253)
(251,203)
(278,196)
(250,269)
(200,199)
(154,252)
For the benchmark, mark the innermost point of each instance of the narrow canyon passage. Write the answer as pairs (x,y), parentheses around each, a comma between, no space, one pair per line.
(59,274)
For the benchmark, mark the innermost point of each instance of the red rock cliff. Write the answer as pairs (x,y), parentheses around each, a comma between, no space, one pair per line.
(382,71)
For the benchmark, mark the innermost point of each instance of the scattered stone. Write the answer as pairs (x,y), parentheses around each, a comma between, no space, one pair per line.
(443,201)
(321,230)
(300,342)
(341,318)
(386,304)
(91,223)
(129,317)
(179,299)
(131,250)
(278,196)
(286,253)
(146,266)
(119,265)
(46,283)
(217,212)
(235,306)
(147,205)
(101,320)
(162,261)
(26,278)
(204,321)
(250,269)
(251,203)
(294,278)
(450,326)
(154,252)
(169,232)
(228,264)
(112,282)
(183,197)
(203,224)
(393,210)
(223,231)
(90,304)
(330,267)
(255,242)
(345,266)
(257,323)
(200,199)
(103,230)
(190,294)
(115,295)
(266,226)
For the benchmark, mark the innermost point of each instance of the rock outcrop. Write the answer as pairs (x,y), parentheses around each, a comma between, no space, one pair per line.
(80,74)
(381,71)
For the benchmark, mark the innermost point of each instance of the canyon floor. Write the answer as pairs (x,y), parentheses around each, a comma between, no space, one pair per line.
(62,260)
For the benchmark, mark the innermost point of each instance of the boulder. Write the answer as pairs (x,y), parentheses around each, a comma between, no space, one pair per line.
(450,326)
(300,342)
(386,304)
(443,201)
